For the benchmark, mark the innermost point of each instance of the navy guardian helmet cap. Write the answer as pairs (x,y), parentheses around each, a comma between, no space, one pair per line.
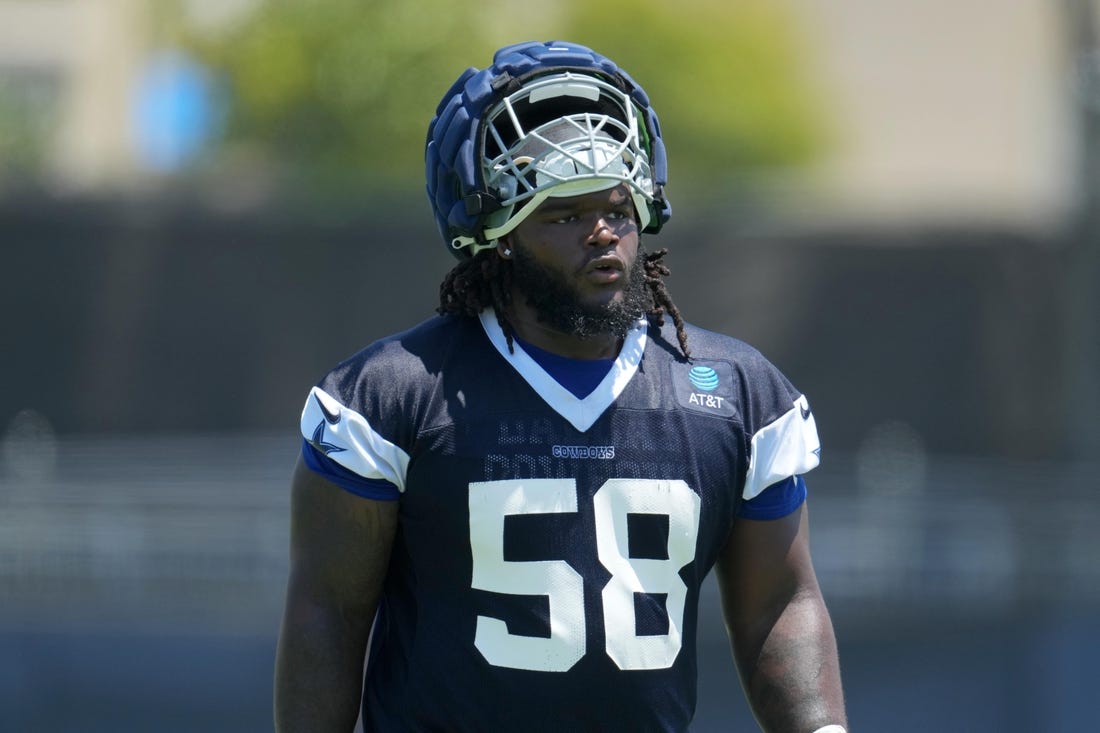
(546,119)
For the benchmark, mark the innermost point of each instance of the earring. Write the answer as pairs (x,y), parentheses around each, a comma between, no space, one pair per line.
(507,252)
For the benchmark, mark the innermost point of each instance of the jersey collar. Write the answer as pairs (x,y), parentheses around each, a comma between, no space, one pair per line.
(580,413)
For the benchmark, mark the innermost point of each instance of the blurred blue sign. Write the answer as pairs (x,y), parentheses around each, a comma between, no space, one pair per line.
(175,112)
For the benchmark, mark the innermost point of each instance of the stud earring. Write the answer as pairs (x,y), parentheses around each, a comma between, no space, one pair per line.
(507,252)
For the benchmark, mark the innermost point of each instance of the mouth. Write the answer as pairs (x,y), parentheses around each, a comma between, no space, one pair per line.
(605,270)
(605,264)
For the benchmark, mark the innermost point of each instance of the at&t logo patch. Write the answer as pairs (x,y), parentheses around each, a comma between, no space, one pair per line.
(705,387)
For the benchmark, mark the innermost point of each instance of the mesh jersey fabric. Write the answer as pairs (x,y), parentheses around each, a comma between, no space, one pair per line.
(548,559)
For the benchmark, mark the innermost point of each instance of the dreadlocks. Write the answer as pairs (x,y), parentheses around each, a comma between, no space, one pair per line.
(486,280)
(476,283)
(655,273)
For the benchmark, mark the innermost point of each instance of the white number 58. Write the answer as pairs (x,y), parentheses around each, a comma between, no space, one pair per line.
(492,501)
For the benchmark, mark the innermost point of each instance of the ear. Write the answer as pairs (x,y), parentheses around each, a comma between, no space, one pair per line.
(504,248)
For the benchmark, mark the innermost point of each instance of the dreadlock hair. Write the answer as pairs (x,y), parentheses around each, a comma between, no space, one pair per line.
(476,283)
(486,280)
(655,273)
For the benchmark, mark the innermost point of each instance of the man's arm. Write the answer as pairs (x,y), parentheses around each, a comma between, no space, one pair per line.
(339,551)
(779,628)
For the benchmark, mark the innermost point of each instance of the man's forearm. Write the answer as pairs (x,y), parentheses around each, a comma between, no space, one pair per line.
(318,672)
(790,669)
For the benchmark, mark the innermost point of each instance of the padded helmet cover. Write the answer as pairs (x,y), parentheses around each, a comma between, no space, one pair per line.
(470,209)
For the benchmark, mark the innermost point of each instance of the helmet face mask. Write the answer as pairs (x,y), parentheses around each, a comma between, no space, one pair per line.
(547,119)
(561,135)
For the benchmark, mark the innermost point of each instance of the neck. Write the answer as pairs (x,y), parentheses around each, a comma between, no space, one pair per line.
(528,327)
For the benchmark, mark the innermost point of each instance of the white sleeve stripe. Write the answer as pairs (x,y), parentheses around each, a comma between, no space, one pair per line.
(787,447)
(351,441)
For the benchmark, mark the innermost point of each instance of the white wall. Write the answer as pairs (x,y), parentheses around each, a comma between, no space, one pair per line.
(946,107)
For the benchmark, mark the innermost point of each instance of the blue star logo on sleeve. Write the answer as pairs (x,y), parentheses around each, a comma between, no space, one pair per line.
(318,441)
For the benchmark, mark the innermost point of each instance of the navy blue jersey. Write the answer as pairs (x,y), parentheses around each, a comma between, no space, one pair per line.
(546,569)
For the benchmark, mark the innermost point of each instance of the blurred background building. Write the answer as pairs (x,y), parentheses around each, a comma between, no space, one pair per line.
(204,204)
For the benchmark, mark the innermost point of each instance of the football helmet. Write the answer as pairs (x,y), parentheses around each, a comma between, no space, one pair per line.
(546,119)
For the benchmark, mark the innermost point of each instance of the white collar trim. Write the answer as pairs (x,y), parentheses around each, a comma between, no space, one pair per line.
(581,413)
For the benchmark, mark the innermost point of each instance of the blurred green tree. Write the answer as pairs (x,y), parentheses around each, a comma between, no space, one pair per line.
(341,91)
(729,80)
(28,121)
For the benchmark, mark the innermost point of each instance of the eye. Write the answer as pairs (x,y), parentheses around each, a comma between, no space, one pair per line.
(622,213)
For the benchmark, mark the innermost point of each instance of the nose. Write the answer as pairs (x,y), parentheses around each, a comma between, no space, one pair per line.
(603,232)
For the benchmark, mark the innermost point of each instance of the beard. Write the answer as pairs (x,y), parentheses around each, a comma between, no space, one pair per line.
(557,303)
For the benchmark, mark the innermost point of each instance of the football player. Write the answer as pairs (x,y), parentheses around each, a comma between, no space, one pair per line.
(506,512)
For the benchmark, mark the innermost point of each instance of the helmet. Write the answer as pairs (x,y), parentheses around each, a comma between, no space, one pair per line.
(546,119)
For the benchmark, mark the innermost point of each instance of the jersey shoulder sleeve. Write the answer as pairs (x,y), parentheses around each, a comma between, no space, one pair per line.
(778,424)
(360,421)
